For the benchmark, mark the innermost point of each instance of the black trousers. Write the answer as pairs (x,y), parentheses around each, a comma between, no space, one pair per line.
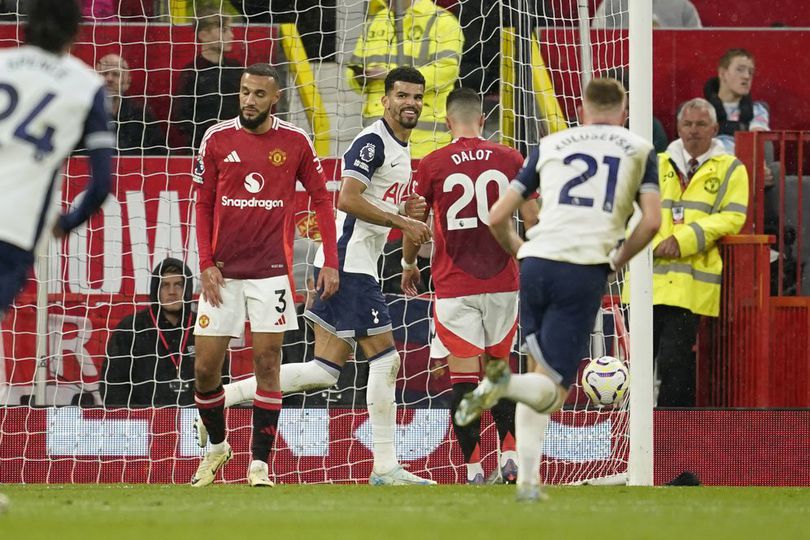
(674,335)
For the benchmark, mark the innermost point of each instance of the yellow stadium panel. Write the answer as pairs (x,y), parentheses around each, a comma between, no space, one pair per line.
(304,81)
(508,87)
(544,92)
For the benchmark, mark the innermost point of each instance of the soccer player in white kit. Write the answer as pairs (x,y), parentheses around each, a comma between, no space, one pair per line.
(376,175)
(476,282)
(589,178)
(50,103)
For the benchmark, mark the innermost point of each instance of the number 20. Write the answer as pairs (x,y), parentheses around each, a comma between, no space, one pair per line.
(472,189)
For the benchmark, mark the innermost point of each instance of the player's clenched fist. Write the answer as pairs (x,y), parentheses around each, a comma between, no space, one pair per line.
(416,207)
(212,280)
(415,231)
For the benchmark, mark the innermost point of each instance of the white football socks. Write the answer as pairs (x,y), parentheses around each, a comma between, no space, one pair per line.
(534,389)
(530,430)
(295,377)
(312,375)
(474,469)
(240,391)
(382,409)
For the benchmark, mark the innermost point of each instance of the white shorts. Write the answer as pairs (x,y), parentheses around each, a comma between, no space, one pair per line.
(268,303)
(468,326)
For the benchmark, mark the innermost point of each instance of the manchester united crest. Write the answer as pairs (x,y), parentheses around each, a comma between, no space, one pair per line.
(204,321)
(277,157)
(712,185)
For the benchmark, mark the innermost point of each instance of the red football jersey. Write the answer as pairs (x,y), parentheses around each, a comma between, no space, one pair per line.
(246,196)
(460,183)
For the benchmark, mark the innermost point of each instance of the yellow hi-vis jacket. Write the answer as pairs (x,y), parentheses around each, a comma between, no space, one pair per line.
(713,205)
(432,43)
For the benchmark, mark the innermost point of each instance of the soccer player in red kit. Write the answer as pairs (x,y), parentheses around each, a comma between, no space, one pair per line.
(475,280)
(247,170)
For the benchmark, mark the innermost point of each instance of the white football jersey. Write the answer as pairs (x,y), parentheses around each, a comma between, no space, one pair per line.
(588,178)
(45,100)
(383,163)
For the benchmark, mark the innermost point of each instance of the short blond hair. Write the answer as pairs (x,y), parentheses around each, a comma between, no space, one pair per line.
(604,95)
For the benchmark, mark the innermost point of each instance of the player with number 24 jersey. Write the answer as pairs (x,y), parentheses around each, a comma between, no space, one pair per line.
(50,103)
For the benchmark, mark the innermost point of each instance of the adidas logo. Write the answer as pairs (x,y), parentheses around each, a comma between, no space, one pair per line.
(233,157)
(281,321)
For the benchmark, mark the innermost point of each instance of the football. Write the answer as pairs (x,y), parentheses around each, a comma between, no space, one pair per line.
(605,380)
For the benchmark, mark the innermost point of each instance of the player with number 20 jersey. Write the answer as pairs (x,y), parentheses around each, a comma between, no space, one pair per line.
(460,182)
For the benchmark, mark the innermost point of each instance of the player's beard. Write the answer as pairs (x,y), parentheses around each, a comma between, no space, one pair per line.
(253,123)
(408,123)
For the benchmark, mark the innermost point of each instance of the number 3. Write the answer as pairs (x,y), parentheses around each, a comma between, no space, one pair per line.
(281,305)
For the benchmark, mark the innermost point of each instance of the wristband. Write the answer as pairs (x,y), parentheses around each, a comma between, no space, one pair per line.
(612,256)
(406,265)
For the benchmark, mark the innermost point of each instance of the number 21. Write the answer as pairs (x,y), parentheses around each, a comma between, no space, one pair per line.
(592,168)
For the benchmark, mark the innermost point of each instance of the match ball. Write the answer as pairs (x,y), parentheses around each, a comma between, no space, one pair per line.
(605,380)
(5,504)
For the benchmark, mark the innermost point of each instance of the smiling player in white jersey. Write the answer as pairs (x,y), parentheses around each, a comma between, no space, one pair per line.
(50,102)
(376,174)
(588,178)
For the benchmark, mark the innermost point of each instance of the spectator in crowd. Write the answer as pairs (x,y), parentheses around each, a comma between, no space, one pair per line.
(432,43)
(209,85)
(704,196)
(135,125)
(150,355)
(666,14)
(730,94)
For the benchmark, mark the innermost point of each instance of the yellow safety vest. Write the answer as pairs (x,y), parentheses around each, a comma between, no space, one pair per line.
(432,43)
(713,205)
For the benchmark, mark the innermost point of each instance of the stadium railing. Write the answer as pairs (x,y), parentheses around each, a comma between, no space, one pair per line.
(757,353)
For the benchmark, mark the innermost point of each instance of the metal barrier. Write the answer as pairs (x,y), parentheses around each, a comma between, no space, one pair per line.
(732,347)
(777,204)
(757,353)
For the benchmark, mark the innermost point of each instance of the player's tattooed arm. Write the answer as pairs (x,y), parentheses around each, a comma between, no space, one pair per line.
(352,202)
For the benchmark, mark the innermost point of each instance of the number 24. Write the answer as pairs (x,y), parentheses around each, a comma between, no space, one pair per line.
(43,142)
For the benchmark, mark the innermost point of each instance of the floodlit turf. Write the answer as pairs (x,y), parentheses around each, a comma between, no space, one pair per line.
(224,512)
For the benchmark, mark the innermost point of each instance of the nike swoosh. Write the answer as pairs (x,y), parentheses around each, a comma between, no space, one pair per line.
(396,164)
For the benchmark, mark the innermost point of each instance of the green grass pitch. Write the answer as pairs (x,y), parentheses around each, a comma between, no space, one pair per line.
(154,512)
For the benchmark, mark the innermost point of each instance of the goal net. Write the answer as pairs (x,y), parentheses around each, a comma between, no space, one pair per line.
(58,421)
